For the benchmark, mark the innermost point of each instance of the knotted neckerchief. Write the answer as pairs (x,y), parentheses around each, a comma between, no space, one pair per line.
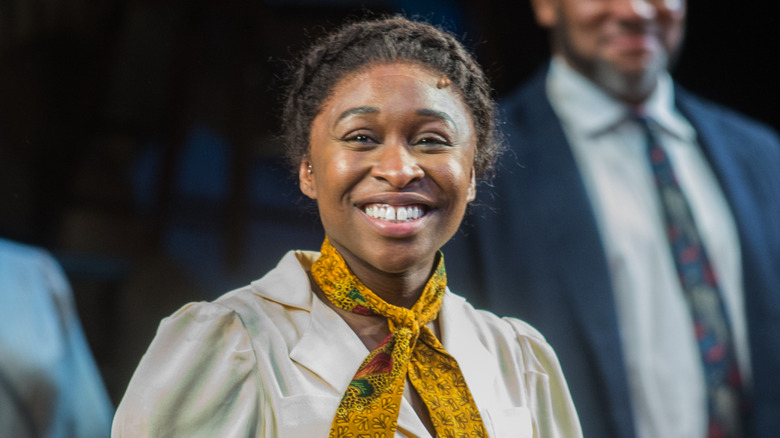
(372,401)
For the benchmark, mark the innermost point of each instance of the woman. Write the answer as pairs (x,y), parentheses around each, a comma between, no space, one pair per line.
(389,123)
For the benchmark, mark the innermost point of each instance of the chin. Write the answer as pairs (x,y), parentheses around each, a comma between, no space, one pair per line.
(399,264)
(631,81)
(389,256)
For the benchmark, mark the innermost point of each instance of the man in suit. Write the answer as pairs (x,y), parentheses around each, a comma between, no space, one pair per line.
(576,240)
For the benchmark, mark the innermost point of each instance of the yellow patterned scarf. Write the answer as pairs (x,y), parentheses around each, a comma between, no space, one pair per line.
(371,404)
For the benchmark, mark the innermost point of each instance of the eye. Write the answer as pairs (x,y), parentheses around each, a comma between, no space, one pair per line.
(431,140)
(360,138)
(360,141)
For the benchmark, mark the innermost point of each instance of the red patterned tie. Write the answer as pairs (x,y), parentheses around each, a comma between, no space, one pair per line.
(704,297)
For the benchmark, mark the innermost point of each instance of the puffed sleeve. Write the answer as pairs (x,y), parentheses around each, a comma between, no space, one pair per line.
(549,398)
(197,379)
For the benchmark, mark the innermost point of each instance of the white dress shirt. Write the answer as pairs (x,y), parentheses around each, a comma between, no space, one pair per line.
(662,357)
(272,360)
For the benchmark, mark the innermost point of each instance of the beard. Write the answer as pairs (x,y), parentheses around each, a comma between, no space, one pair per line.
(632,86)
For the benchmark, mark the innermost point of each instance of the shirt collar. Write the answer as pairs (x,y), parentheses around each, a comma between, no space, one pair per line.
(661,109)
(586,109)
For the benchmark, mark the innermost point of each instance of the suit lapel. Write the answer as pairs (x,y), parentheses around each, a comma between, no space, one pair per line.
(733,170)
(744,179)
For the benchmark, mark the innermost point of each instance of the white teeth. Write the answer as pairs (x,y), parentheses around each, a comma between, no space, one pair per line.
(394,214)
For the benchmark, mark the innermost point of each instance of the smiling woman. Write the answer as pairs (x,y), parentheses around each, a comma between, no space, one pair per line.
(389,124)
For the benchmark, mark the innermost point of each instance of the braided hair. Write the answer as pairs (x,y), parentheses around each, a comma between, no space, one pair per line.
(358,46)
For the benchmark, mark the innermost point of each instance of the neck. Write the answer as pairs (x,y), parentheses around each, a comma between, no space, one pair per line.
(400,289)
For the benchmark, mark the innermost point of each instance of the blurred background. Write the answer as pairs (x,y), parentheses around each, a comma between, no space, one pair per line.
(137,138)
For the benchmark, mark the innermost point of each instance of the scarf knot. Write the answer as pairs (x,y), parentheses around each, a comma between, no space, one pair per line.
(372,400)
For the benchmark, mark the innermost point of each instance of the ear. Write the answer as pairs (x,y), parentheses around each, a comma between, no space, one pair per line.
(546,12)
(306,179)
(472,193)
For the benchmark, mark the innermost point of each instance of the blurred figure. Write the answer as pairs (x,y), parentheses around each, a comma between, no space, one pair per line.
(639,229)
(49,383)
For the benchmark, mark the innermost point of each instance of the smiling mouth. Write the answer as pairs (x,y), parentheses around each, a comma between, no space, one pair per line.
(399,214)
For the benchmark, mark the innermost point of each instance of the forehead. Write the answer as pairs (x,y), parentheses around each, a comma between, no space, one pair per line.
(394,86)
(678,7)
(400,68)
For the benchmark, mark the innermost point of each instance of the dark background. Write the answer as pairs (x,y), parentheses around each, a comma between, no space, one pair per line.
(137,138)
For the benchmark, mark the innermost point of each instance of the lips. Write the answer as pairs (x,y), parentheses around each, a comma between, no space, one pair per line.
(635,42)
(395,213)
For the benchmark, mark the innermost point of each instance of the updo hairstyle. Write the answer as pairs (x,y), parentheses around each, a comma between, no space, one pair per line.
(358,46)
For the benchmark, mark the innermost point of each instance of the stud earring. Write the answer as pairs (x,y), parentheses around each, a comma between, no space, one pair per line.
(309,168)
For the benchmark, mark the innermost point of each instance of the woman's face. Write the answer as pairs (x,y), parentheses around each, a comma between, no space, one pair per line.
(391,158)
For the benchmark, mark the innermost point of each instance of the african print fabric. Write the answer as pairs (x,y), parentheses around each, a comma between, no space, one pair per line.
(372,401)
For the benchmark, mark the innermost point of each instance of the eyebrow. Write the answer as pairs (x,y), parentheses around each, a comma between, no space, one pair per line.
(427,112)
(357,111)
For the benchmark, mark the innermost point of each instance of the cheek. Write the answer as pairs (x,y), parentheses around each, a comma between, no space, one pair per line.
(455,177)
(581,35)
(343,166)
(676,7)
(585,14)
(674,25)
(338,172)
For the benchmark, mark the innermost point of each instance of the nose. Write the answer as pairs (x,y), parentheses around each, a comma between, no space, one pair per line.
(397,165)
(636,10)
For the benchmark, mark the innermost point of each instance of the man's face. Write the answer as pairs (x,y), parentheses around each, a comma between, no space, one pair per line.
(621,45)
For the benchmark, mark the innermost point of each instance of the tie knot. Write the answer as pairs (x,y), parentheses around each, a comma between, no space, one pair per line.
(646,125)
(641,117)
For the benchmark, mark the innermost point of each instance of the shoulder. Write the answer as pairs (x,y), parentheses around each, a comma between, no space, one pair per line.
(514,328)
(744,152)
(525,99)
(20,259)
(199,376)
(225,327)
(496,333)
(532,129)
(10,250)
(244,312)
(522,338)
(706,114)
(196,335)
(199,318)
(36,272)
(198,368)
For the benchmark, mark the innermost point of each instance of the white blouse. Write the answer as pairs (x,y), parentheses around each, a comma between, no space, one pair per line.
(272,360)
